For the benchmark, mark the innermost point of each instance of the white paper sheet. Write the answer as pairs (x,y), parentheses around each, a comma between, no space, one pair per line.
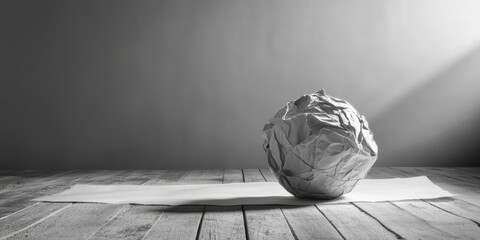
(258,193)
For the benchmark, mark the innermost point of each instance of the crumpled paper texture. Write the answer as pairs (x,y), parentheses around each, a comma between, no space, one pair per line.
(319,146)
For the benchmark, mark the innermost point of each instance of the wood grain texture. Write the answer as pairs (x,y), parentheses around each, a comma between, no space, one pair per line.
(99,177)
(405,224)
(346,218)
(178,215)
(222,222)
(452,173)
(180,222)
(354,223)
(463,171)
(306,222)
(28,216)
(19,195)
(203,177)
(78,221)
(268,175)
(183,222)
(132,222)
(436,217)
(465,191)
(453,205)
(167,177)
(232,176)
(455,226)
(445,218)
(472,170)
(264,222)
(253,175)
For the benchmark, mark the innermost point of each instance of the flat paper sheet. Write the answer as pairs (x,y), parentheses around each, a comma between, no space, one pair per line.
(257,193)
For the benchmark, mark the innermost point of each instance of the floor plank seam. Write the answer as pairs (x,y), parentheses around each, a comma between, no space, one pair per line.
(151,227)
(472,171)
(458,179)
(245,224)
(478,224)
(264,178)
(35,223)
(180,179)
(200,224)
(461,210)
(333,225)
(122,209)
(398,236)
(421,219)
(289,226)
(23,209)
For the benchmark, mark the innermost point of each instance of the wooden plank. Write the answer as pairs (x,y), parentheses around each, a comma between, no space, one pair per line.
(14,200)
(232,176)
(183,222)
(458,207)
(268,175)
(167,177)
(354,223)
(266,222)
(346,218)
(454,225)
(100,177)
(132,177)
(452,205)
(253,175)
(382,173)
(307,222)
(465,191)
(15,222)
(222,222)
(28,180)
(202,177)
(176,223)
(75,222)
(256,217)
(405,224)
(103,177)
(132,222)
(452,174)
(398,220)
(457,227)
(46,183)
(475,170)
(459,171)
(5,180)
(150,173)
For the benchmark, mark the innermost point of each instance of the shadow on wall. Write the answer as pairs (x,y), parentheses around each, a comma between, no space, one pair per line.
(436,124)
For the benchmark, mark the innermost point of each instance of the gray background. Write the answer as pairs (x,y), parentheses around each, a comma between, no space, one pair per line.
(189,84)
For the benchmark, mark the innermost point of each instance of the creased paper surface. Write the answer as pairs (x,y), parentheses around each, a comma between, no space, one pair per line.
(257,193)
(319,146)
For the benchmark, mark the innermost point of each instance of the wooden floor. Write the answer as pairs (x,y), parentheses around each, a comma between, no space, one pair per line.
(21,218)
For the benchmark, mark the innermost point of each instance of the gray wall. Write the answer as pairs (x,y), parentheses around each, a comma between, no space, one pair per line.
(189,84)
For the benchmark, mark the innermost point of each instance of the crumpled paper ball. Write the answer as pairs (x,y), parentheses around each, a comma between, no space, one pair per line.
(319,146)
